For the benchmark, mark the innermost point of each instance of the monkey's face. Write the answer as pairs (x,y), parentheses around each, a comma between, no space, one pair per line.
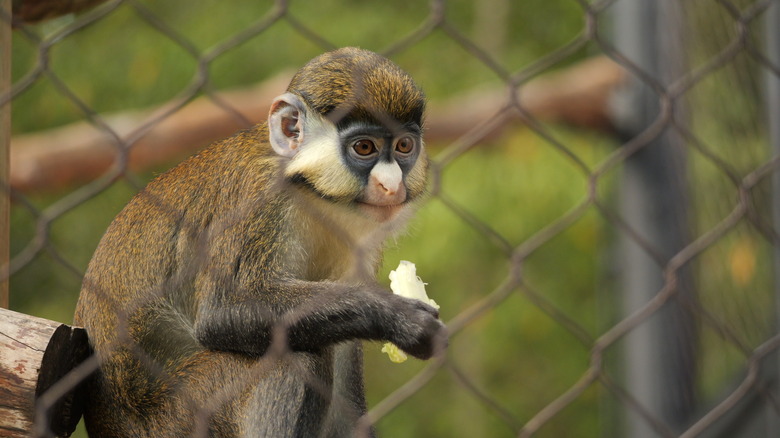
(363,165)
(351,125)
(390,166)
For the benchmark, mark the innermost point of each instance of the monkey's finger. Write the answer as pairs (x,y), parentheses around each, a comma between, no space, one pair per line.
(432,340)
(427,308)
(418,305)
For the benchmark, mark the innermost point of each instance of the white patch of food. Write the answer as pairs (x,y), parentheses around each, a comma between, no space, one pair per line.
(405,282)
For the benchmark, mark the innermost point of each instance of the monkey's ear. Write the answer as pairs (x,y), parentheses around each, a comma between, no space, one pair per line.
(285,124)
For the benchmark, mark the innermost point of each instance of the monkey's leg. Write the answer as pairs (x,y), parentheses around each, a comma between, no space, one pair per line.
(348,403)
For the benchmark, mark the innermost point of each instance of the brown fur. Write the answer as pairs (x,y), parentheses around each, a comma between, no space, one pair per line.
(362,84)
(194,277)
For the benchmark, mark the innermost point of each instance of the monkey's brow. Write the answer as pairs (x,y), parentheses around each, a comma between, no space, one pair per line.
(412,127)
(375,129)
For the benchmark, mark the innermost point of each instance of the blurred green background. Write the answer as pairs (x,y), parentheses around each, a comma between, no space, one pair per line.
(516,183)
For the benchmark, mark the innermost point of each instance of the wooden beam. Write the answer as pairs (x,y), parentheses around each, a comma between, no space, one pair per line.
(80,152)
(33,11)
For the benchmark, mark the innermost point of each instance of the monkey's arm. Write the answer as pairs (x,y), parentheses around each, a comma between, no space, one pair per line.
(321,314)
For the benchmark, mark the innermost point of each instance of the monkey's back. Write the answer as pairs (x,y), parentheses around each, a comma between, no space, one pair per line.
(142,280)
(230,297)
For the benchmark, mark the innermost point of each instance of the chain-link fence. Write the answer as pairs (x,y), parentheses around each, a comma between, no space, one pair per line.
(602,230)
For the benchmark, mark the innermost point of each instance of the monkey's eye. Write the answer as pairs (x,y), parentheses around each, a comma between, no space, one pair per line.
(405,145)
(364,147)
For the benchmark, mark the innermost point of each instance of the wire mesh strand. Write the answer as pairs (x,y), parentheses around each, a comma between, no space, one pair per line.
(743,17)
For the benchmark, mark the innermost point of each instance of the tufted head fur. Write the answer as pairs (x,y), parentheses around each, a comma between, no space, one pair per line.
(354,84)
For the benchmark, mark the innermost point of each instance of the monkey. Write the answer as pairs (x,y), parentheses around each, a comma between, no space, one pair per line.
(230,297)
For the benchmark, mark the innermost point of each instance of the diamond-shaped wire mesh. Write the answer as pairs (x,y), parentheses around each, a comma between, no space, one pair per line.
(545,210)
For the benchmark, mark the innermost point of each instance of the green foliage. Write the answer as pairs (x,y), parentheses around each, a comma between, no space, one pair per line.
(122,62)
(517,185)
(514,352)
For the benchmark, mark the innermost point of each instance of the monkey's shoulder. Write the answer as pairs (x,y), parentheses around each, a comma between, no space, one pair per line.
(232,162)
(246,149)
(217,178)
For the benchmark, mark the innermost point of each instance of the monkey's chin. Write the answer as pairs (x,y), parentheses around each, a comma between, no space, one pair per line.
(381,213)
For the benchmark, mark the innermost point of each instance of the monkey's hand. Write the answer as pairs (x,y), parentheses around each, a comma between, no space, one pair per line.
(417,329)
(405,282)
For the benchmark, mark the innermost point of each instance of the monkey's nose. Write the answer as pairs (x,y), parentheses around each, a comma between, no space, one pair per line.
(389,189)
(385,184)
(383,193)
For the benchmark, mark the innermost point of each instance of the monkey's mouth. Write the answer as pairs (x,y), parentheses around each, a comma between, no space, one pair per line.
(380,213)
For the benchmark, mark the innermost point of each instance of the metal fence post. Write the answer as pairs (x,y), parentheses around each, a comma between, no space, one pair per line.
(5,146)
(658,355)
(772,48)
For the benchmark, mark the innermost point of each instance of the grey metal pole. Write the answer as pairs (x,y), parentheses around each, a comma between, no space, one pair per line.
(5,147)
(658,354)
(772,48)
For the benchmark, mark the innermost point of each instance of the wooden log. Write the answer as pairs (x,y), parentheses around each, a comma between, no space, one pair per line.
(32,11)
(80,152)
(36,359)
